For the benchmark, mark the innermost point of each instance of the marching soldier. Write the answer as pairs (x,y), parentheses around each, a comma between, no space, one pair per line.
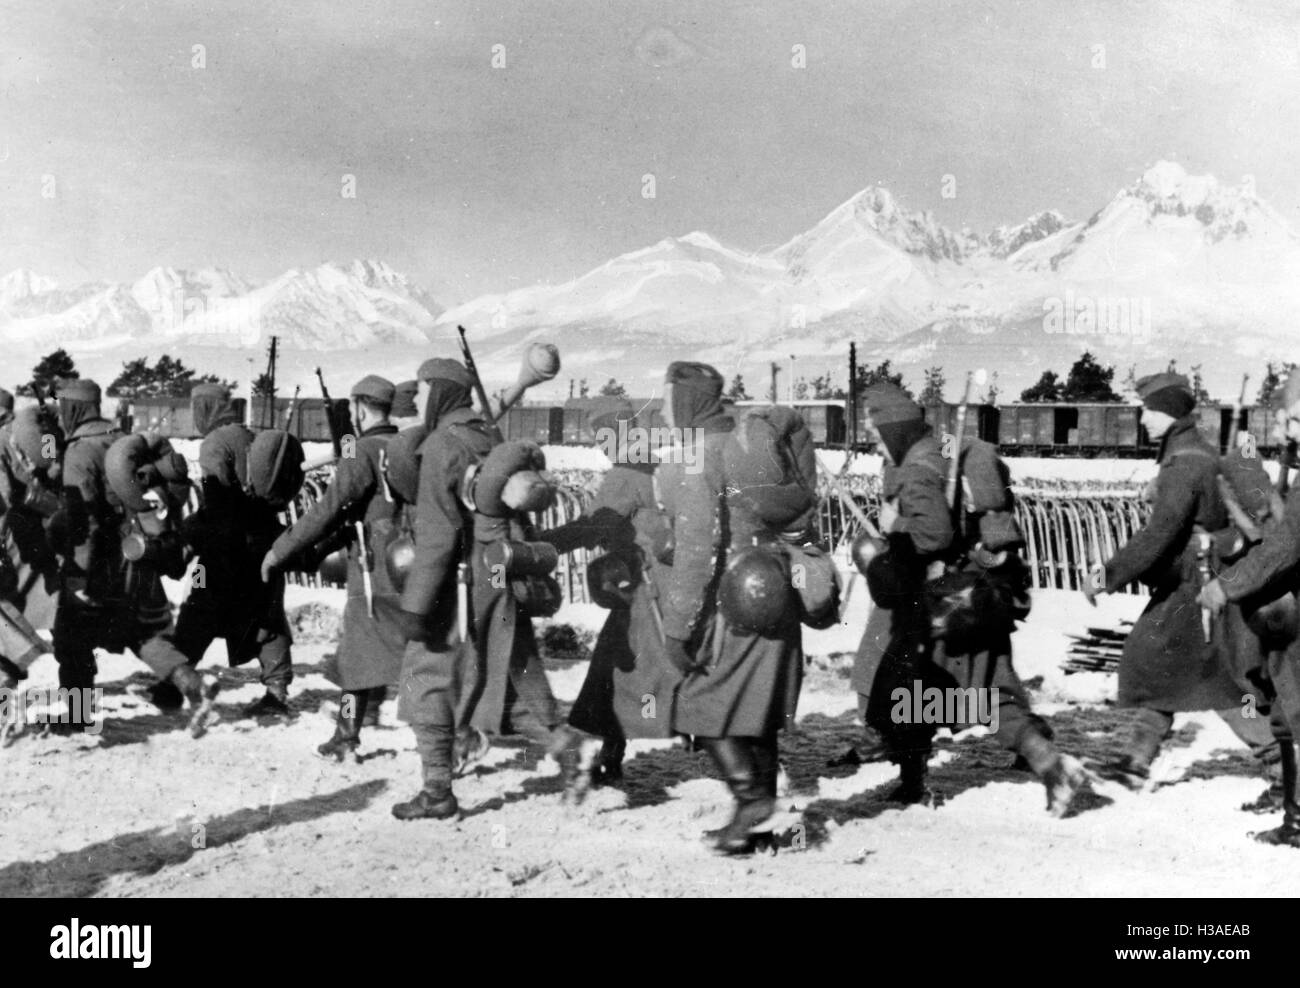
(742,680)
(1172,662)
(29,569)
(627,662)
(405,414)
(456,438)
(104,601)
(359,498)
(494,683)
(1264,581)
(910,579)
(231,535)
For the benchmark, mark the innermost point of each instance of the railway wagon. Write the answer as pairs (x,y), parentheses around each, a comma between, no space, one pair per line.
(1056,429)
(577,413)
(543,425)
(310,421)
(982,421)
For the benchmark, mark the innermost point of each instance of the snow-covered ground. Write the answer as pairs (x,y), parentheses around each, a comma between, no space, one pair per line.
(140,809)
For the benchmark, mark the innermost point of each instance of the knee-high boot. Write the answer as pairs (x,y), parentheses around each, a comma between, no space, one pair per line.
(1289,832)
(347,728)
(736,762)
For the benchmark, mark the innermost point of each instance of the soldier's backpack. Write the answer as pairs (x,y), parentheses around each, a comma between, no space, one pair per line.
(771,469)
(770,466)
(985,498)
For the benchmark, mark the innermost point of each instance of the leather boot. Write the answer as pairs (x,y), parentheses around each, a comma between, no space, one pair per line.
(735,759)
(200,691)
(1289,833)
(911,788)
(608,770)
(347,727)
(1062,775)
(375,699)
(435,801)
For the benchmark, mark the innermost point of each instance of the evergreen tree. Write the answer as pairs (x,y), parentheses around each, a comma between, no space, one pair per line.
(1089,381)
(1047,388)
(53,367)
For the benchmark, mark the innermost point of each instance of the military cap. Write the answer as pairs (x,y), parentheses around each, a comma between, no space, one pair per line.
(443,369)
(210,389)
(688,374)
(404,400)
(375,388)
(889,403)
(1167,392)
(79,389)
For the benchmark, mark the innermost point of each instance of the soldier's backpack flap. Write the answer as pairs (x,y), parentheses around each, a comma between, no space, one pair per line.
(402,463)
(769,463)
(986,493)
(275,473)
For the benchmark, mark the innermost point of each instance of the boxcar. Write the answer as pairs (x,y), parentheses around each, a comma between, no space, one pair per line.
(310,421)
(542,424)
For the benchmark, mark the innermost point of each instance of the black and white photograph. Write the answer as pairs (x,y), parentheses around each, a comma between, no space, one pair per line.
(653,449)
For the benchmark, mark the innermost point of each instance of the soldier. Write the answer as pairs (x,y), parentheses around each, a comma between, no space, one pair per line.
(29,568)
(370,649)
(6,407)
(105,602)
(926,548)
(231,535)
(741,686)
(627,662)
(405,414)
(1168,665)
(505,687)
(1266,578)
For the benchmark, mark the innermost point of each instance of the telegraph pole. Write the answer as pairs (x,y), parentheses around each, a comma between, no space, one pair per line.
(852,403)
(776,369)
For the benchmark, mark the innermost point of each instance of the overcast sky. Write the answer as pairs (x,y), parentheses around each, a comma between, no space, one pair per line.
(473,178)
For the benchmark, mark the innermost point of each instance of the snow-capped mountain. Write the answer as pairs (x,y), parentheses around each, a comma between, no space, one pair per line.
(325,308)
(1174,265)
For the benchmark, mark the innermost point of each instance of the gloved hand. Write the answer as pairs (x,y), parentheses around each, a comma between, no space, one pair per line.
(1212,597)
(412,626)
(269,562)
(677,653)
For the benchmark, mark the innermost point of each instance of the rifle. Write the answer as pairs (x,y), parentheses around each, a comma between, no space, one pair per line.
(336,437)
(479,390)
(954,468)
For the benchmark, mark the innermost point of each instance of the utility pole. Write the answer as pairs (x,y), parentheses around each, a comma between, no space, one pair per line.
(270,398)
(852,404)
(789,384)
(776,369)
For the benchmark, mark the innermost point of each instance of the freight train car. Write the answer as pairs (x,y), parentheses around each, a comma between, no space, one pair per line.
(543,425)
(310,421)
(1064,429)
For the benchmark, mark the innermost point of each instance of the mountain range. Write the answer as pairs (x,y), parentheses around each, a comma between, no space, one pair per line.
(1174,265)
